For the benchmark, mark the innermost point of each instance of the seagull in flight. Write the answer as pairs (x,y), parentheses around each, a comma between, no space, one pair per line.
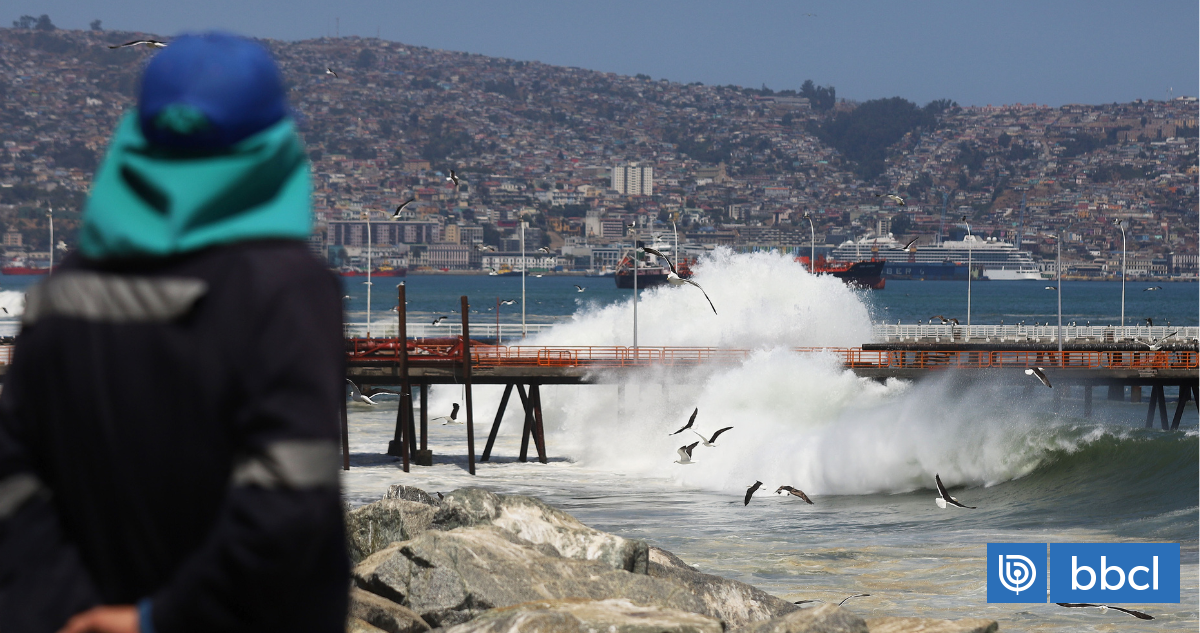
(400,208)
(857,595)
(750,492)
(1151,288)
(1051,288)
(687,426)
(1104,609)
(945,499)
(1041,375)
(485,247)
(685,454)
(674,279)
(146,43)
(710,442)
(893,197)
(449,419)
(439,320)
(329,71)
(358,395)
(579,288)
(1157,344)
(796,492)
(908,247)
(508,302)
(544,249)
(453,178)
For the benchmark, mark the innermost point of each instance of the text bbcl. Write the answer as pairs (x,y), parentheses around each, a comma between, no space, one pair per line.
(1114,572)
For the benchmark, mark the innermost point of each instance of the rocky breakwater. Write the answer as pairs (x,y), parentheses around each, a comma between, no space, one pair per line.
(475,561)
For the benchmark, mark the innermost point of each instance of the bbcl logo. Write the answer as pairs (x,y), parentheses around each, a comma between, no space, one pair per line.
(1014,574)
(1105,573)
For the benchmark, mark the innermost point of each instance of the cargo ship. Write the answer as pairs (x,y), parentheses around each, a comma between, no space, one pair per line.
(382,271)
(648,274)
(19,267)
(863,274)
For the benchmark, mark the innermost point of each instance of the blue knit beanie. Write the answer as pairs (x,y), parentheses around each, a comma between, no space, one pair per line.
(208,91)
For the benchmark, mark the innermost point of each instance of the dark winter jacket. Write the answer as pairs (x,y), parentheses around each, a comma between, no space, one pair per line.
(169,432)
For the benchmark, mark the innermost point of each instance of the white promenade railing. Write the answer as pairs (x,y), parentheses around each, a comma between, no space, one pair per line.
(891,333)
(424,329)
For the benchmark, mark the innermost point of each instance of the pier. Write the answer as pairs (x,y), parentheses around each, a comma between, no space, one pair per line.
(1095,357)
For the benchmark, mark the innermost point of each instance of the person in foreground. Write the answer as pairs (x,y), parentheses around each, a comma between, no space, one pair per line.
(169,425)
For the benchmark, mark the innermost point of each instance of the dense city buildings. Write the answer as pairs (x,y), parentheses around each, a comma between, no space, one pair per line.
(590,161)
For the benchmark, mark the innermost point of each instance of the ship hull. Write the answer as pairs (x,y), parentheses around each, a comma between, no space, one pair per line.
(23,270)
(867,274)
(945,271)
(1002,274)
(644,279)
(398,272)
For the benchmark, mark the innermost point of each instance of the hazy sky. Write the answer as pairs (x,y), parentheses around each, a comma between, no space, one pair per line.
(975,52)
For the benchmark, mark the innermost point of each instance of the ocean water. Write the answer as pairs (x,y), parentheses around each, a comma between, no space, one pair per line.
(865,452)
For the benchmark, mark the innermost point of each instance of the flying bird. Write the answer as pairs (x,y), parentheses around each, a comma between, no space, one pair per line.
(891,196)
(438,320)
(908,247)
(358,395)
(400,208)
(62,246)
(579,288)
(329,71)
(544,249)
(674,279)
(964,219)
(941,318)
(1157,344)
(945,498)
(687,426)
(449,419)
(710,442)
(1104,609)
(795,492)
(453,178)
(485,247)
(750,492)
(508,302)
(857,595)
(1151,288)
(685,454)
(1051,288)
(146,43)
(1041,375)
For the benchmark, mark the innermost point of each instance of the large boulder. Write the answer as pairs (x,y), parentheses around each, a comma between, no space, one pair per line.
(451,577)
(384,614)
(410,493)
(355,625)
(537,522)
(826,618)
(930,625)
(588,616)
(737,603)
(376,525)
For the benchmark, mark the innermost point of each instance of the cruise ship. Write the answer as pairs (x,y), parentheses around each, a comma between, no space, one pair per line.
(997,260)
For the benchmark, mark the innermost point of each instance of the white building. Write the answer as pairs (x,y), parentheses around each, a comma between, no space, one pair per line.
(633,180)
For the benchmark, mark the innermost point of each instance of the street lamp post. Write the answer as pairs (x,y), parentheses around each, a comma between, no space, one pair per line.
(1121,225)
(523,332)
(970,264)
(367,217)
(50,213)
(1058,286)
(812,244)
(635,292)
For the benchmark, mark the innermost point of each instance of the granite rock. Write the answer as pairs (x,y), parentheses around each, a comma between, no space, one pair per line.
(384,614)
(376,525)
(587,616)
(451,577)
(409,493)
(736,603)
(826,618)
(931,625)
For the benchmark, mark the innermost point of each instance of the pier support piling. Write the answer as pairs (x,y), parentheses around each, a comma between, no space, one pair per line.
(491,440)
(345,423)
(528,424)
(1135,394)
(1116,393)
(1159,399)
(466,359)
(539,433)
(1184,392)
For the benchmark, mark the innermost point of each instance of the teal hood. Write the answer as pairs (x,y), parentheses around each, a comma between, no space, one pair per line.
(150,203)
